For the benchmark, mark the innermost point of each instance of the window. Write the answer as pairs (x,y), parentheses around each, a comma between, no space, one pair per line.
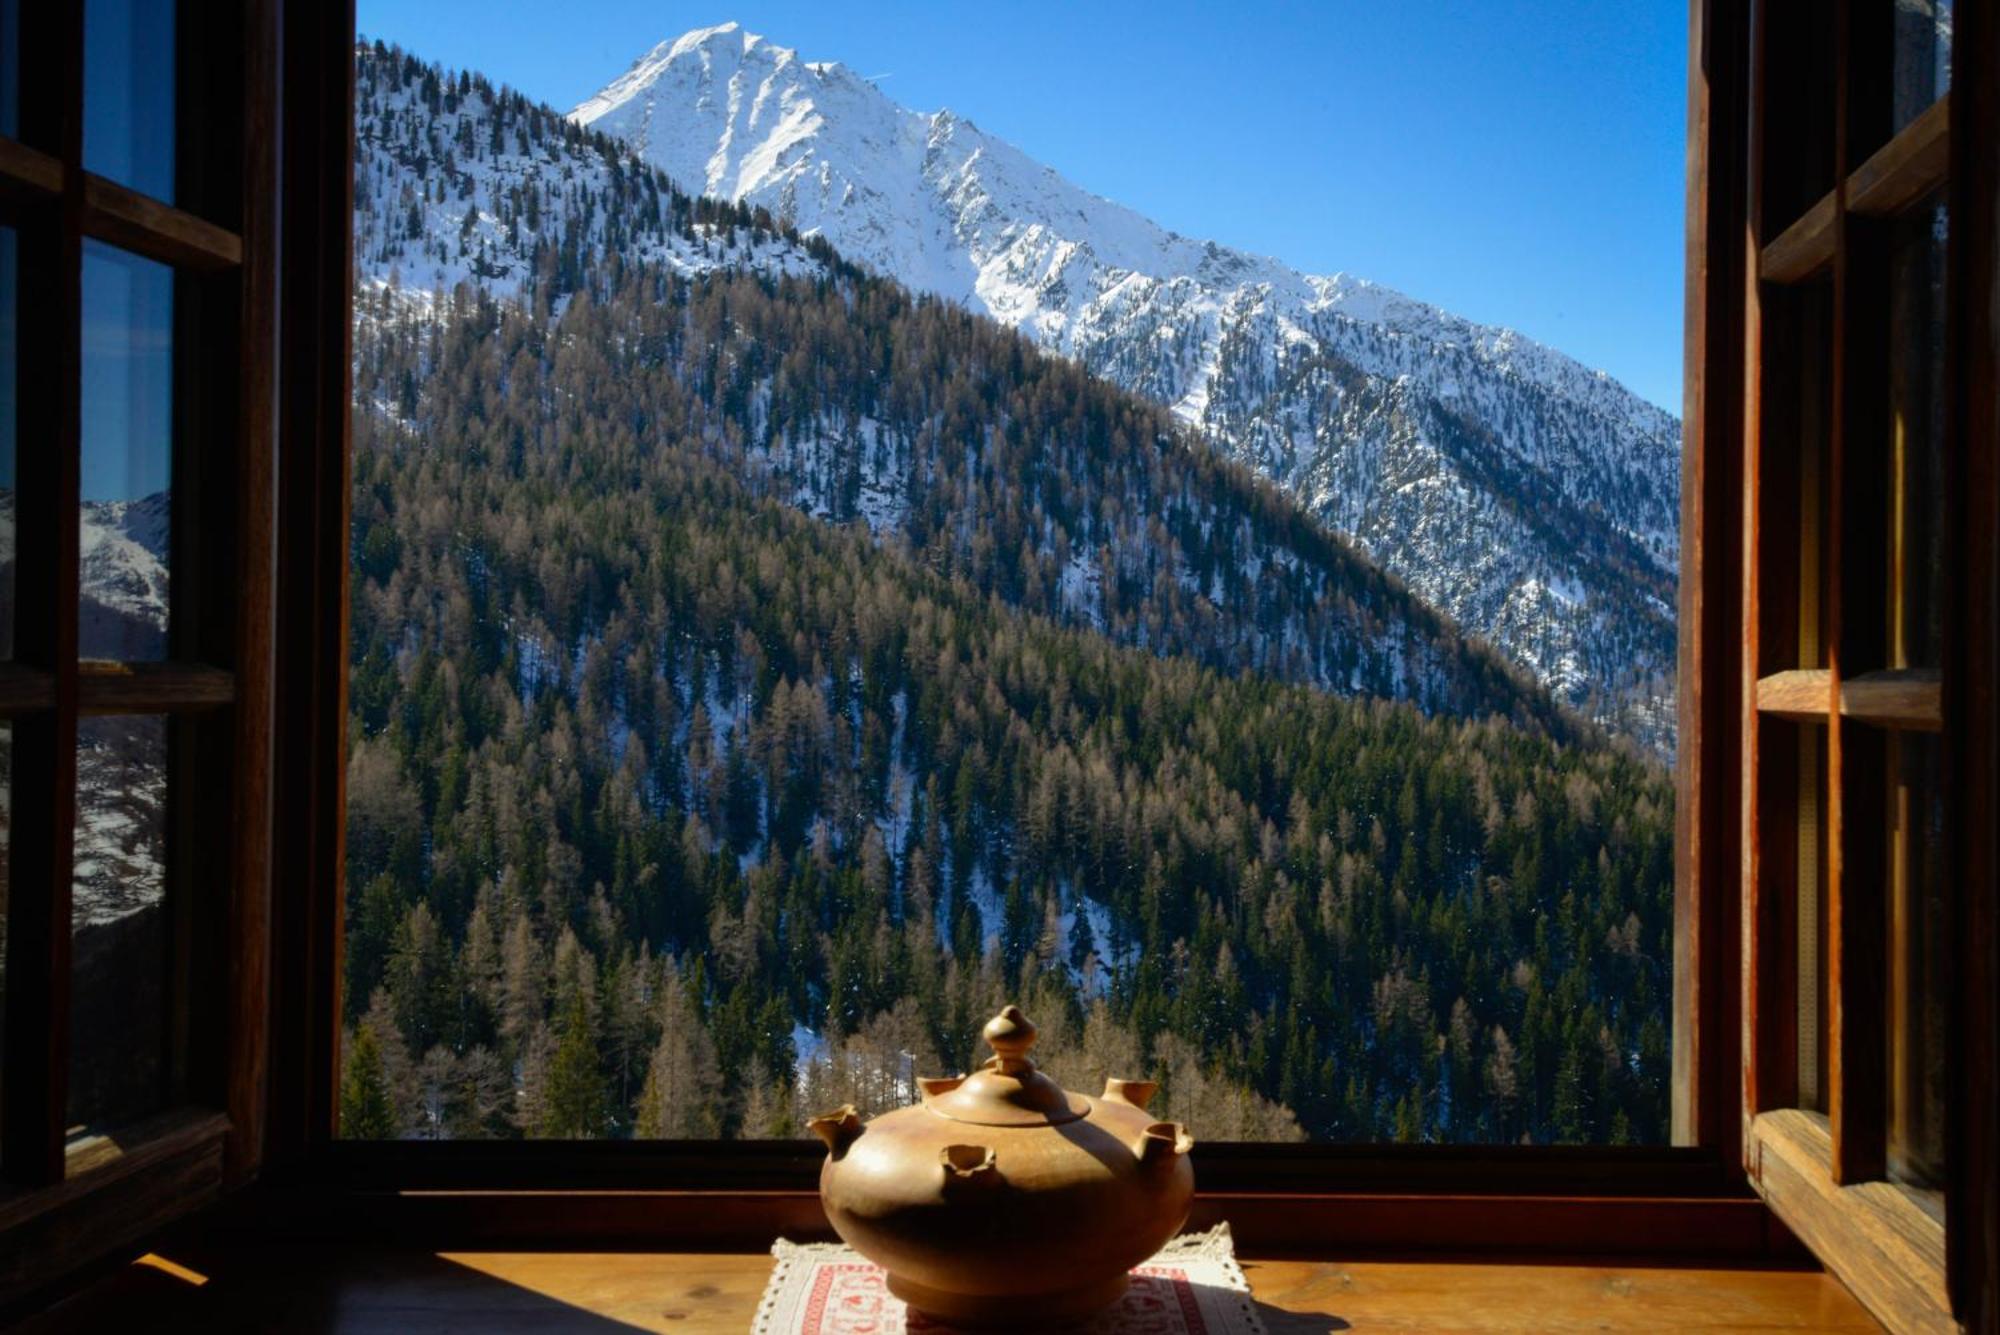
(730,730)
(1852,443)
(135,644)
(1872,477)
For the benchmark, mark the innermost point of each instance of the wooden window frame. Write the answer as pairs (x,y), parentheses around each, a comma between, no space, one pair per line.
(1825,1175)
(61,1205)
(1692,1199)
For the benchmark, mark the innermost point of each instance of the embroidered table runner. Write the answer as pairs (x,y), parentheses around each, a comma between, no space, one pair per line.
(1192,1287)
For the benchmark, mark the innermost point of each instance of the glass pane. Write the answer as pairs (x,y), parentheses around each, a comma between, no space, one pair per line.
(696,790)
(6,872)
(1916,448)
(1916,927)
(128,306)
(1809,925)
(10,68)
(128,93)
(1922,57)
(10,286)
(118,927)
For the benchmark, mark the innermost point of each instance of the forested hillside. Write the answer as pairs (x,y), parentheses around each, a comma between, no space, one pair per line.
(760,675)
(939,429)
(1532,499)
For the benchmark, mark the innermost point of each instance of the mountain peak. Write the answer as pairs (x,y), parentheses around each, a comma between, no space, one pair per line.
(696,54)
(1532,498)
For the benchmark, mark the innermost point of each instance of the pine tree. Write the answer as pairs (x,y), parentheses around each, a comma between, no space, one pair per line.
(366,1112)
(574,1104)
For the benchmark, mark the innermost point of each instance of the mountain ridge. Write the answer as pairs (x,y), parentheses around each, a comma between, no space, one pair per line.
(458,181)
(1332,386)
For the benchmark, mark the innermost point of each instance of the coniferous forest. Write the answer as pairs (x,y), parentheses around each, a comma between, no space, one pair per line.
(759,676)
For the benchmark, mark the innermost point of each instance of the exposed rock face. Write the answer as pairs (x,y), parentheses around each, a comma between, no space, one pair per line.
(1533,500)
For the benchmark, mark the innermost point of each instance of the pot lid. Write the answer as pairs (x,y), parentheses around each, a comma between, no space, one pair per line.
(1007,1090)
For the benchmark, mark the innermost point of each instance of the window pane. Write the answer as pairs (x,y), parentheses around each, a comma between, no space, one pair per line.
(118,924)
(745,706)
(1917,961)
(10,286)
(1922,57)
(1916,454)
(10,68)
(6,872)
(1808,915)
(128,93)
(127,454)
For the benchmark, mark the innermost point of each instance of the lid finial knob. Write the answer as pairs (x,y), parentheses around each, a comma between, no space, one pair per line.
(1010,1034)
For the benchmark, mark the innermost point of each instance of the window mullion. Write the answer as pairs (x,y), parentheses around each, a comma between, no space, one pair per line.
(49,488)
(1856,758)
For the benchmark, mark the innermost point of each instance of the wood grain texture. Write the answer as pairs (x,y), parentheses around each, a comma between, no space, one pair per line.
(371,1291)
(1886,1248)
(1910,698)
(1803,250)
(247,922)
(1905,169)
(172,1167)
(309,689)
(1851,1065)
(1804,695)
(152,688)
(1706,1028)
(1758,911)
(28,174)
(142,224)
(24,688)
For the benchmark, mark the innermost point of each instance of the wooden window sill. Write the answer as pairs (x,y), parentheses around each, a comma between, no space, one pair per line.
(1878,1237)
(364,1290)
(118,1191)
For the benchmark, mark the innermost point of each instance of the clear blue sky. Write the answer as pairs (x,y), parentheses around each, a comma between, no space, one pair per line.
(1518,163)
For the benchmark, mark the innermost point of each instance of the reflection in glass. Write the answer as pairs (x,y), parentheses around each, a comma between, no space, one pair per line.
(1917,984)
(118,929)
(10,68)
(1809,933)
(1915,580)
(1916,447)
(10,285)
(128,93)
(6,870)
(1922,57)
(127,454)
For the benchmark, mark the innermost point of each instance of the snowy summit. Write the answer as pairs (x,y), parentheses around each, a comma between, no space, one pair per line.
(1533,499)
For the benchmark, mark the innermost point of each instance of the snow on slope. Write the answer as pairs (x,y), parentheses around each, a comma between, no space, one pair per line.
(458,182)
(121,760)
(1534,500)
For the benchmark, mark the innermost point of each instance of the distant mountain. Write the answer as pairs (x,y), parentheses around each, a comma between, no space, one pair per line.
(1052,490)
(761,666)
(1533,500)
(121,762)
(124,578)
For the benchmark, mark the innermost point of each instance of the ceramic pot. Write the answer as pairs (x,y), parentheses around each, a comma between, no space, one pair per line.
(1002,1198)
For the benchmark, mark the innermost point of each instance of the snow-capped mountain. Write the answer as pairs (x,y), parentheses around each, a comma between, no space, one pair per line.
(465,193)
(121,761)
(124,578)
(1532,499)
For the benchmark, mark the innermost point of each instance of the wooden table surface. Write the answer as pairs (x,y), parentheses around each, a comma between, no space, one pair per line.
(300,1289)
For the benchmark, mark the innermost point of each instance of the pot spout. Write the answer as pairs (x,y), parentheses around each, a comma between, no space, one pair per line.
(1162,1143)
(1138,1093)
(838,1128)
(969,1168)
